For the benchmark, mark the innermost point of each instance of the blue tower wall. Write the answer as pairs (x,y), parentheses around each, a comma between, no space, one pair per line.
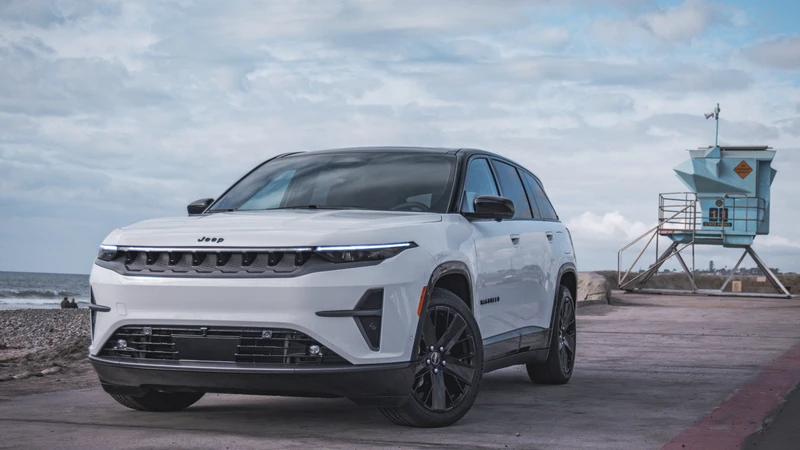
(733,191)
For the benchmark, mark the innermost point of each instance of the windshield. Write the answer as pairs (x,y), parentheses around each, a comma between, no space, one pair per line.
(378,181)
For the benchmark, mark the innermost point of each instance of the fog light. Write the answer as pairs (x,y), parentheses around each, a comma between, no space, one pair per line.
(122,343)
(147,331)
(313,350)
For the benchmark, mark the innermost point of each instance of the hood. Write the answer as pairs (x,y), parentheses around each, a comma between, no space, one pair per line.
(265,228)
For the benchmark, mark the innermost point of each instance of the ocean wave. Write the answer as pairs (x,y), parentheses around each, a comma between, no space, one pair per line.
(30,301)
(36,293)
(35,303)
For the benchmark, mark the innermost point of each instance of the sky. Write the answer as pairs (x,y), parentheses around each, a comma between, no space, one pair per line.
(112,112)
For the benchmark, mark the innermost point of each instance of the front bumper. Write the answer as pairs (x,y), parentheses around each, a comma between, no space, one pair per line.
(290,303)
(373,384)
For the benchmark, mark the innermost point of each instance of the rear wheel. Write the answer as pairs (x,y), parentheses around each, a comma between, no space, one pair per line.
(159,401)
(558,367)
(449,365)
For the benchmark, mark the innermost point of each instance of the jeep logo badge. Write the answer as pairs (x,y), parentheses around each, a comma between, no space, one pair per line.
(210,239)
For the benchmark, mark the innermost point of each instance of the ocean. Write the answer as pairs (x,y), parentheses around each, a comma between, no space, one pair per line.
(20,290)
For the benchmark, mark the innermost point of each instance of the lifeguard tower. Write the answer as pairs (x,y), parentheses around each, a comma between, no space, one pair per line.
(728,206)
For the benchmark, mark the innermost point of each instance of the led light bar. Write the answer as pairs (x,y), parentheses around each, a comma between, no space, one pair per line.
(355,248)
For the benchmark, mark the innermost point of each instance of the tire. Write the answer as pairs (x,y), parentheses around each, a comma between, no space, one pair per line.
(446,382)
(159,401)
(560,363)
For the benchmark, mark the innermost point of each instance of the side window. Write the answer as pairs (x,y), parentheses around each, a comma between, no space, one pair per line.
(511,185)
(545,207)
(271,195)
(480,181)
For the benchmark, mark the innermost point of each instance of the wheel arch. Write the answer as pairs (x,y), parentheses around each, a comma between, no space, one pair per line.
(454,274)
(455,277)
(567,276)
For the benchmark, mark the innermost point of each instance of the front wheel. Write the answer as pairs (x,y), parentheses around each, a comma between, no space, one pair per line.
(558,367)
(449,365)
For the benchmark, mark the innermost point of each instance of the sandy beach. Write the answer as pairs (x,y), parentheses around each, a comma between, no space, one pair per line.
(43,350)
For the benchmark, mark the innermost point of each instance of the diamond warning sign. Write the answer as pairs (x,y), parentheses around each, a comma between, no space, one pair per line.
(743,169)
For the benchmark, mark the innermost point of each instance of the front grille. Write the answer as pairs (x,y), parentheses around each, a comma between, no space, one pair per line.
(224,344)
(189,262)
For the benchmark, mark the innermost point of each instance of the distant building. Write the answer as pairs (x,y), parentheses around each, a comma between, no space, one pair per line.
(711,266)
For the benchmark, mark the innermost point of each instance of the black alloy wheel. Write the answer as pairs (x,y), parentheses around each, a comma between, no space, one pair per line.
(560,363)
(446,360)
(567,338)
(449,365)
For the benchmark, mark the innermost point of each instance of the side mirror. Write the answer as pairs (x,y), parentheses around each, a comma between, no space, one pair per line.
(492,207)
(197,207)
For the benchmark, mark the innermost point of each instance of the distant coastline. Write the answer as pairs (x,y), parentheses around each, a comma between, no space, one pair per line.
(42,273)
(35,290)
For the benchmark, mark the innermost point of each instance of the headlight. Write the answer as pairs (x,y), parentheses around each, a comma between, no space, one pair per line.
(107,252)
(356,253)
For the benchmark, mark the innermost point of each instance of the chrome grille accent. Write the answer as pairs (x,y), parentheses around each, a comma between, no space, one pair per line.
(178,261)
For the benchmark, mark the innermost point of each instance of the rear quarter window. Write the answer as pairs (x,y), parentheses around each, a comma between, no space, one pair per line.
(536,190)
(511,185)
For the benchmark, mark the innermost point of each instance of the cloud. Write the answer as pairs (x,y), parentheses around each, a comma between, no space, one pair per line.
(114,112)
(685,21)
(675,24)
(610,225)
(552,38)
(791,126)
(778,241)
(667,77)
(782,53)
(54,13)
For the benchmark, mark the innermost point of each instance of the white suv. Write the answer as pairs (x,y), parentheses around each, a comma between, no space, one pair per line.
(395,277)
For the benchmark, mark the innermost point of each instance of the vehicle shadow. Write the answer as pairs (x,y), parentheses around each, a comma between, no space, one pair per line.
(261,416)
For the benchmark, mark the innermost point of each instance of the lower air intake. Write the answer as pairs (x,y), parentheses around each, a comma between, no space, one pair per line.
(370,325)
(267,346)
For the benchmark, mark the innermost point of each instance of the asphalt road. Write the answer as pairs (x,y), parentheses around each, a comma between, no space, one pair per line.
(652,371)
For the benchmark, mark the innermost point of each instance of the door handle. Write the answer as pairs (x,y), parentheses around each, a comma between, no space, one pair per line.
(549,235)
(515,239)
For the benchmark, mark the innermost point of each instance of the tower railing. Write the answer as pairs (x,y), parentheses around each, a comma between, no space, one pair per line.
(678,211)
(680,218)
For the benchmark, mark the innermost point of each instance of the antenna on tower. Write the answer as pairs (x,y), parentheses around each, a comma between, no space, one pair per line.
(715,115)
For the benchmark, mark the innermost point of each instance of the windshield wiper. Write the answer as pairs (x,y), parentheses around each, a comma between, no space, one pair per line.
(316,207)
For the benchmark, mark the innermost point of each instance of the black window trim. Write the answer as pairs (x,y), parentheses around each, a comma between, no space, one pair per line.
(463,183)
(529,192)
(541,186)
(524,186)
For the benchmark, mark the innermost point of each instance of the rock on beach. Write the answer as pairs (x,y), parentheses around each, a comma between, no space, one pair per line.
(593,287)
(39,342)
(40,328)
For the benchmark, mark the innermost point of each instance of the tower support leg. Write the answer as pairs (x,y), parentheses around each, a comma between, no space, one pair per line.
(654,268)
(770,276)
(686,269)
(733,271)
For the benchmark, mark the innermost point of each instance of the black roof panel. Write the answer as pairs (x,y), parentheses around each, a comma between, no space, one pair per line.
(399,149)
(388,149)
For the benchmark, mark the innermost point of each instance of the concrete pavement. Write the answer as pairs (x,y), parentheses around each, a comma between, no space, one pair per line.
(649,368)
